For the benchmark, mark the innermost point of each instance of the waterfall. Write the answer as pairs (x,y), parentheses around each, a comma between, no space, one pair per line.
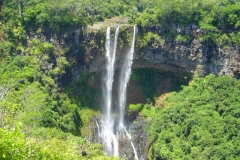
(130,138)
(98,130)
(124,79)
(109,133)
(122,93)
(109,139)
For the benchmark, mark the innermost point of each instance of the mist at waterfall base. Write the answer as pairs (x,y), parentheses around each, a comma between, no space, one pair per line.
(112,126)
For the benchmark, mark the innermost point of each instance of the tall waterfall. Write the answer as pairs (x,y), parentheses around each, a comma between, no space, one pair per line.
(122,93)
(110,130)
(124,79)
(109,139)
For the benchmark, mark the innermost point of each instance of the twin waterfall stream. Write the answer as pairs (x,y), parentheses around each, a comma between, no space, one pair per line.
(112,127)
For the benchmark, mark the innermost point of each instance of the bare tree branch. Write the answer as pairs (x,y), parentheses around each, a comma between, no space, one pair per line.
(4,90)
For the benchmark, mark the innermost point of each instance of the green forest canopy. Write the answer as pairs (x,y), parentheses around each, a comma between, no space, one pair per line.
(200,122)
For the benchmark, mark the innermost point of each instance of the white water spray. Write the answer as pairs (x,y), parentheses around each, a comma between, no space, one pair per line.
(109,139)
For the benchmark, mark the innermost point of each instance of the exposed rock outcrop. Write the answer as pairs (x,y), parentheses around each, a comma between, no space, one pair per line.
(139,140)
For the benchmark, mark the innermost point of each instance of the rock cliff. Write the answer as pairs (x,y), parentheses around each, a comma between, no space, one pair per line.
(86,51)
(177,57)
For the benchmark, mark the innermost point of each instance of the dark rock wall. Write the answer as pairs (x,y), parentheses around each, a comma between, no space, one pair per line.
(86,51)
(192,57)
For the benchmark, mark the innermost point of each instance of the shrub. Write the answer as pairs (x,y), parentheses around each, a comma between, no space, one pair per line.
(135,107)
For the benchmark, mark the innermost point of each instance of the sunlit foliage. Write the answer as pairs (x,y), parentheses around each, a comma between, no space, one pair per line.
(200,122)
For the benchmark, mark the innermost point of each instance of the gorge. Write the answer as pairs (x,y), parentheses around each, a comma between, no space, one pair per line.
(178,59)
(173,61)
(119,79)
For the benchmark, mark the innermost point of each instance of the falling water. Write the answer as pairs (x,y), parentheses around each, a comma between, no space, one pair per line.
(108,134)
(130,138)
(98,130)
(124,79)
(109,139)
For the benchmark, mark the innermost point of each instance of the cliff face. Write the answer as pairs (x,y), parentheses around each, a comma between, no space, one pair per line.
(86,51)
(177,57)
(192,58)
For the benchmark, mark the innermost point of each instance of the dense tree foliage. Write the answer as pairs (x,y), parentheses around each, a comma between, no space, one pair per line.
(219,20)
(32,99)
(29,93)
(200,122)
(217,13)
(48,144)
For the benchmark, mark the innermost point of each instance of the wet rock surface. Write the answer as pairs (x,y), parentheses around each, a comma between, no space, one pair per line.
(138,138)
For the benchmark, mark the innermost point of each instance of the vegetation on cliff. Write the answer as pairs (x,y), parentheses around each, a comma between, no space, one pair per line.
(218,21)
